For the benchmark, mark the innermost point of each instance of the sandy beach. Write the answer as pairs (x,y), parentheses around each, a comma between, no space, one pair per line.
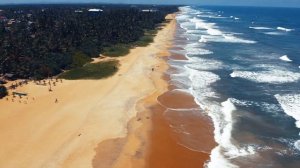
(113,122)
(37,132)
(181,133)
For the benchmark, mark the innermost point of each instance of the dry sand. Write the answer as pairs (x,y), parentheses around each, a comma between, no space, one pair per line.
(118,122)
(42,133)
(131,151)
(153,140)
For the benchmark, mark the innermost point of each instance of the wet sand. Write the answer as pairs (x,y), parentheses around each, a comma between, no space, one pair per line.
(118,122)
(161,138)
(88,126)
(166,152)
(131,151)
(181,137)
(178,57)
(181,134)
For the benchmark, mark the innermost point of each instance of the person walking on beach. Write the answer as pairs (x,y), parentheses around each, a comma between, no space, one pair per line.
(56,101)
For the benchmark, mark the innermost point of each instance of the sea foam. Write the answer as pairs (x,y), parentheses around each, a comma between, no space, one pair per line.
(194,49)
(285,58)
(198,51)
(214,32)
(274,33)
(216,35)
(284,29)
(224,38)
(205,64)
(270,108)
(290,103)
(223,122)
(260,28)
(271,76)
(201,81)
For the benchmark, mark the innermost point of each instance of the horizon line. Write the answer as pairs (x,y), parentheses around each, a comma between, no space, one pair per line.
(162,4)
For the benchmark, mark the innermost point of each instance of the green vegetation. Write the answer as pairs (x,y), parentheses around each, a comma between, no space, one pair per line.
(152,32)
(144,41)
(38,41)
(79,59)
(147,38)
(3,91)
(116,50)
(124,49)
(92,71)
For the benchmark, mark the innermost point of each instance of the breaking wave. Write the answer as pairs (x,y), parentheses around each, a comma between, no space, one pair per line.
(290,104)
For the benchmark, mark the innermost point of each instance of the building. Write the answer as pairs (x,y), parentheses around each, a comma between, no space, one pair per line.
(95,10)
(2,81)
(11,21)
(78,11)
(149,10)
(3,19)
(9,76)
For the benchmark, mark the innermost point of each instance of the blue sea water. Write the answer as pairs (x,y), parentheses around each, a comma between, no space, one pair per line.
(243,68)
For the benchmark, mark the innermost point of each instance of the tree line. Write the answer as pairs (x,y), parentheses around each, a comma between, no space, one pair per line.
(43,40)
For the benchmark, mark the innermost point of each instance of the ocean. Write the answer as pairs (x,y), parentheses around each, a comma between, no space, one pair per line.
(243,69)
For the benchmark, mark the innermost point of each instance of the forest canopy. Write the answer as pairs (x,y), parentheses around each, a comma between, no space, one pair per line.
(43,40)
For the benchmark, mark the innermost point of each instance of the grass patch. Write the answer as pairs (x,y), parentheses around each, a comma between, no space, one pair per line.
(151,32)
(92,71)
(144,41)
(79,59)
(116,50)
(147,38)
(124,49)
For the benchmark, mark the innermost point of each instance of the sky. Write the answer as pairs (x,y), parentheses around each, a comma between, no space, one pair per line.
(280,3)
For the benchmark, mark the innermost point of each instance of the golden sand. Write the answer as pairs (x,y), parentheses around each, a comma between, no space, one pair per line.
(42,133)
(97,123)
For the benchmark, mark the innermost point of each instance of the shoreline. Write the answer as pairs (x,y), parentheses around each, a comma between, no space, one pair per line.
(115,122)
(43,133)
(134,145)
(151,141)
(181,134)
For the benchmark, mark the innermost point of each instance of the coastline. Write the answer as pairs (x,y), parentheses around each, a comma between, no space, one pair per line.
(115,122)
(151,140)
(181,134)
(134,147)
(37,132)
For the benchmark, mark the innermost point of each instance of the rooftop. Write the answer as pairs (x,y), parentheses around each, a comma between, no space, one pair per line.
(95,10)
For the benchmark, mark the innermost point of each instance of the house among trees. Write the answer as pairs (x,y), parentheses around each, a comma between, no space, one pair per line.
(2,81)
(3,19)
(46,43)
(9,76)
(11,21)
(78,11)
(149,10)
(95,10)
